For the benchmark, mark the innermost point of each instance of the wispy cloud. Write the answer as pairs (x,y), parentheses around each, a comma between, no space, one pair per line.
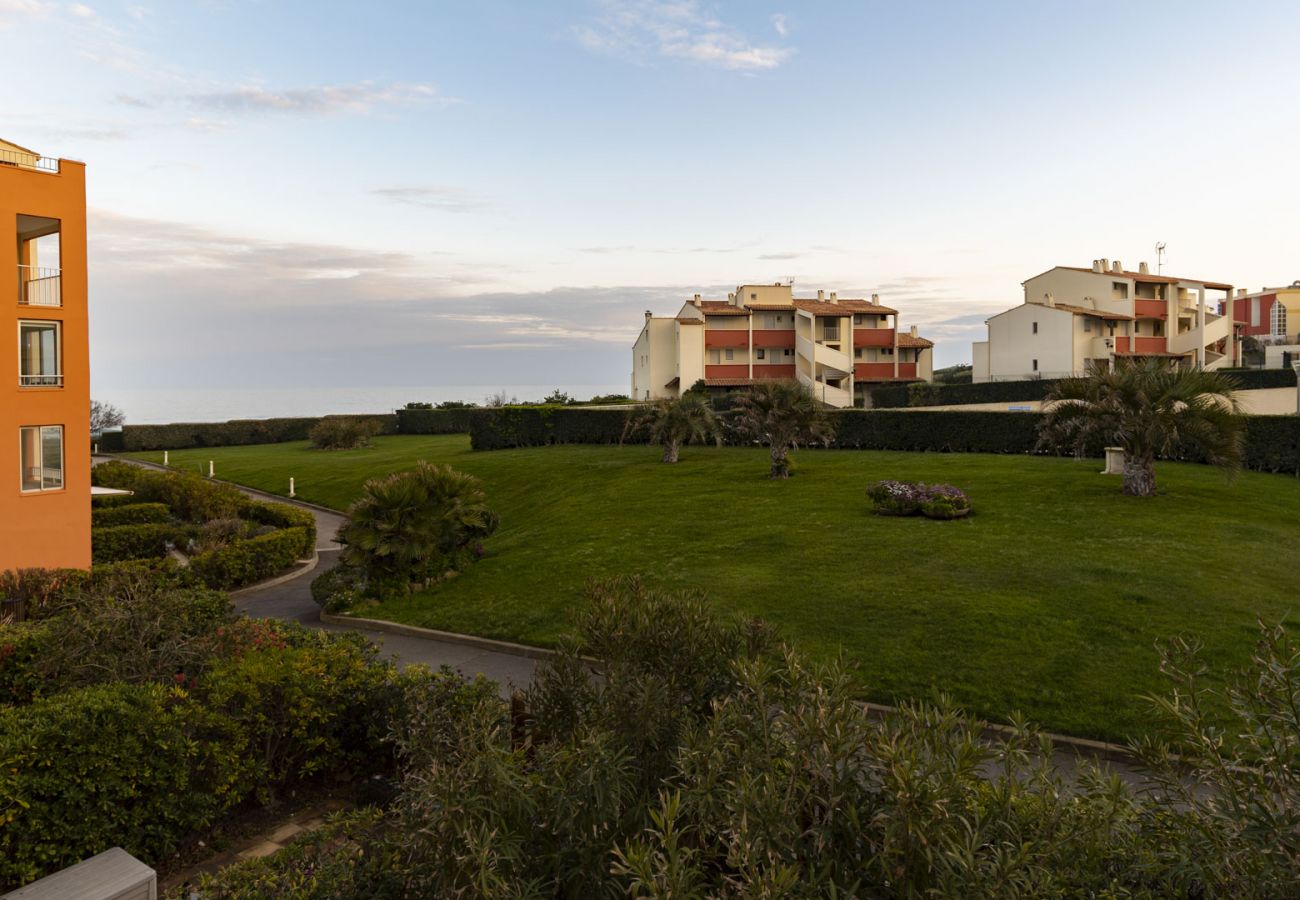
(319,100)
(666,251)
(780,25)
(434,196)
(677,29)
(13,10)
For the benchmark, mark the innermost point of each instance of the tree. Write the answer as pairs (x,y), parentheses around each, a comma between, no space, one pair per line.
(783,416)
(1150,409)
(671,423)
(104,416)
(557,397)
(411,527)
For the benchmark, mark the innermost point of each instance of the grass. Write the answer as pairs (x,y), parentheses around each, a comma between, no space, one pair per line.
(1050,600)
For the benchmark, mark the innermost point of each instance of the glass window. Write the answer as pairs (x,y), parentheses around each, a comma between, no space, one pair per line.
(731,354)
(1035,328)
(38,354)
(762,354)
(1087,323)
(42,457)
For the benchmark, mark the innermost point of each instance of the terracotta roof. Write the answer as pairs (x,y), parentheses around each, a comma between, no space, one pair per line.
(1087,311)
(770,307)
(676,381)
(818,308)
(1155,353)
(739,382)
(906,340)
(862,306)
(721,308)
(687,320)
(1148,278)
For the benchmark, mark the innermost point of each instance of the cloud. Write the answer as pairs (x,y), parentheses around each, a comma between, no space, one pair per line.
(779,25)
(317,100)
(441,197)
(677,29)
(13,10)
(82,11)
(667,251)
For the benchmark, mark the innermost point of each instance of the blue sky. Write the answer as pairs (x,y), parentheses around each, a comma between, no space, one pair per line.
(473,193)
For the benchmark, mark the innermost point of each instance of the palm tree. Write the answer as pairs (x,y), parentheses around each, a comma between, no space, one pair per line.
(1150,409)
(406,527)
(671,423)
(782,415)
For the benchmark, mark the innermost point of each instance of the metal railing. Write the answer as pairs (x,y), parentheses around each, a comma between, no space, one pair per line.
(20,160)
(42,380)
(40,286)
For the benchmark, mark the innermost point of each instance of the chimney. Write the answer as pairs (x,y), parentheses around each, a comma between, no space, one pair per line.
(914,334)
(1144,269)
(731,298)
(648,315)
(1096,265)
(1105,264)
(821,295)
(834,297)
(1241,292)
(1117,266)
(696,301)
(875,299)
(1049,300)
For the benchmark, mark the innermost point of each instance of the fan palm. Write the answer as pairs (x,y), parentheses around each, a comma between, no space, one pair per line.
(671,423)
(1150,409)
(783,416)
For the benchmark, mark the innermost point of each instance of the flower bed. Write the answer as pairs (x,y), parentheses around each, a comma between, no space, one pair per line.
(907,498)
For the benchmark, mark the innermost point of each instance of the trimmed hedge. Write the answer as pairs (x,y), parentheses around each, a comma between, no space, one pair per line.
(23,647)
(184,435)
(518,426)
(131,514)
(244,562)
(922,394)
(945,432)
(282,515)
(123,542)
(433,421)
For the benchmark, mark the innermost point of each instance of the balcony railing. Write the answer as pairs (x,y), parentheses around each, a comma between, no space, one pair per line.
(44,380)
(38,286)
(20,160)
(873,337)
(1150,309)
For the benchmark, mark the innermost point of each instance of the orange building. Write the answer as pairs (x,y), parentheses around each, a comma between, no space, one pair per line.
(45,413)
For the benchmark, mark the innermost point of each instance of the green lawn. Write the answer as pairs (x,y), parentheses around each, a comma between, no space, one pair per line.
(1049,600)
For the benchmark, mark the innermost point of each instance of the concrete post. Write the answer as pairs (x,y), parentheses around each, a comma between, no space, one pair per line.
(291,492)
(211,468)
(166,462)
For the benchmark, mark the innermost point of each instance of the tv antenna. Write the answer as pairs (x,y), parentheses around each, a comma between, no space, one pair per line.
(1160,257)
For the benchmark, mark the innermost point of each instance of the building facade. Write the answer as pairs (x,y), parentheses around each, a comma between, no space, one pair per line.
(44,419)
(762,332)
(1075,320)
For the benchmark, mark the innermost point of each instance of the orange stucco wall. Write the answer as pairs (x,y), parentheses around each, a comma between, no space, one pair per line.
(47,528)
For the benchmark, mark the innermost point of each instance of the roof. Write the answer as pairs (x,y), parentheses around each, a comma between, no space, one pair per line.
(906,340)
(819,308)
(1148,278)
(677,379)
(721,308)
(771,307)
(739,382)
(687,320)
(18,147)
(1089,311)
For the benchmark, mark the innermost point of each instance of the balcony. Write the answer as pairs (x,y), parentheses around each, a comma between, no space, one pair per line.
(907,370)
(774,337)
(19,160)
(773,371)
(43,380)
(1150,309)
(727,371)
(39,286)
(874,371)
(1149,345)
(715,338)
(873,337)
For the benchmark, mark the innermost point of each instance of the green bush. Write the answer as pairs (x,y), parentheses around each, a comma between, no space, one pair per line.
(244,562)
(25,593)
(339,588)
(132,766)
(283,515)
(181,436)
(434,421)
(125,542)
(24,648)
(133,514)
(517,426)
(342,433)
(189,496)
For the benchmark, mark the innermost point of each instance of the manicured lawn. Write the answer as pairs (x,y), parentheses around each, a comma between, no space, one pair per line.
(1049,600)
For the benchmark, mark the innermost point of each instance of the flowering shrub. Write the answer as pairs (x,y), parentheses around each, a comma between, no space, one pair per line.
(906,498)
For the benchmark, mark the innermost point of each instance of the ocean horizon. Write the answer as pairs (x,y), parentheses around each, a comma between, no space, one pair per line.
(160,406)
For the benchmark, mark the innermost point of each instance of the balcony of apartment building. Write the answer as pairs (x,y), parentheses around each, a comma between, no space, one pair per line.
(40,279)
(726,362)
(774,362)
(40,354)
(873,363)
(824,341)
(871,330)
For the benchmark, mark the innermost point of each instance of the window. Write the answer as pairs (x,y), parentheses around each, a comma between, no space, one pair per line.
(38,354)
(1254,312)
(761,354)
(1119,290)
(1035,328)
(1034,364)
(857,353)
(42,457)
(753,296)
(1087,323)
(1157,327)
(789,352)
(731,354)
(1278,318)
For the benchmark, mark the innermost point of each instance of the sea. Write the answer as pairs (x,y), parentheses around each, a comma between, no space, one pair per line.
(159,406)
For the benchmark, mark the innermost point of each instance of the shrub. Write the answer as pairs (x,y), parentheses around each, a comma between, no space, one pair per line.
(189,496)
(124,542)
(24,593)
(338,589)
(137,766)
(24,647)
(134,514)
(443,420)
(342,433)
(246,561)
(943,501)
(283,515)
(905,498)
(181,436)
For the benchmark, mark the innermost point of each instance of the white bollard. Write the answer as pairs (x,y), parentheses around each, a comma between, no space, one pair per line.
(96,452)
(211,469)
(166,462)
(291,493)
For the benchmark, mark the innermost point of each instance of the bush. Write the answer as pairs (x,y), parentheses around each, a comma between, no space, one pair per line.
(24,593)
(905,498)
(181,436)
(135,766)
(24,648)
(189,496)
(338,589)
(125,542)
(283,515)
(134,514)
(247,561)
(512,426)
(342,433)
(443,420)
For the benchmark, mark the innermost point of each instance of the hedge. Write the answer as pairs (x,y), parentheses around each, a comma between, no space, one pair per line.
(123,542)
(282,515)
(922,394)
(184,435)
(518,426)
(23,647)
(131,514)
(433,421)
(244,562)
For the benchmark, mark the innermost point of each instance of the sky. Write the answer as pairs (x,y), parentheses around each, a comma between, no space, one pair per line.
(317,194)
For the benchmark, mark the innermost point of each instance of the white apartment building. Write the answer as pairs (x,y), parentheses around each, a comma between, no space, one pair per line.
(762,332)
(1074,320)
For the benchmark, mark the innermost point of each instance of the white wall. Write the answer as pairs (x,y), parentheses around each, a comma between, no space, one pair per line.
(1013,345)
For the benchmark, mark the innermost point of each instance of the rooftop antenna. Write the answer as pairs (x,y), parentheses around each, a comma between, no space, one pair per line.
(789,280)
(1160,257)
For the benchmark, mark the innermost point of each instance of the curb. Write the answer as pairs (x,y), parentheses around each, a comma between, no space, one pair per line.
(448,637)
(279,579)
